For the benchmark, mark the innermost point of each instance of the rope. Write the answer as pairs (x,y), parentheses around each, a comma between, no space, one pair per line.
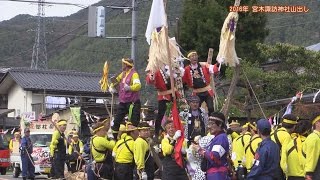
(255,96)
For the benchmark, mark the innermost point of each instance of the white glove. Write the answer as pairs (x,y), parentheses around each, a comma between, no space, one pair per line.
(175,75)
(110,135)
(144,176)
(156,149)
(126,87)
(177,134)
(112,90)
(183,150)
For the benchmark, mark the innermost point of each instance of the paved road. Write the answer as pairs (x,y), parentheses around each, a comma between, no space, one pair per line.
(8,176)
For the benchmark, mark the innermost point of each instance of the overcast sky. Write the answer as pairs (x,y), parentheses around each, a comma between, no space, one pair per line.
(10,9)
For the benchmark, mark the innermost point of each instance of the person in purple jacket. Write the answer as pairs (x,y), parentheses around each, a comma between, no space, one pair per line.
(217,150)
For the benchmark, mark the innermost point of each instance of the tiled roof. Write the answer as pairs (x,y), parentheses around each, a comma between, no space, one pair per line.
(314,47)
(55,80)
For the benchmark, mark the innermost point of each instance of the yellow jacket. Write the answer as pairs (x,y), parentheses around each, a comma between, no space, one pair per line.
(167,146)
(122,153)
(141,147)
(54,141)
(293,159)
(71,145)
(311,149)
(101,144)
(250,151)
(234,135)
(11,143)
(135,84)
(238,147)
(282,137)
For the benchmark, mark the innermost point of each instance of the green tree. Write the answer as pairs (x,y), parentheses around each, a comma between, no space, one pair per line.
(294,69)
(202,22)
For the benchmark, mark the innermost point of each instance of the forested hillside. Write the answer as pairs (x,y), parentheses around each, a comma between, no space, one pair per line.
(69,47)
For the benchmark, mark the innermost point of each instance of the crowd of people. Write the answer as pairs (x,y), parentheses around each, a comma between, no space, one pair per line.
(210,147)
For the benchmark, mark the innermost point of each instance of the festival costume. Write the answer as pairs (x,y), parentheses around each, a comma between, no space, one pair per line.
(143,158)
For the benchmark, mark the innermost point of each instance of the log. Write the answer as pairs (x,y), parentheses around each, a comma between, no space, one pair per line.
(234,81)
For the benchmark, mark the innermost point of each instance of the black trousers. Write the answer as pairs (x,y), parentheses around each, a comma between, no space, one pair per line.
(123,171)
(105,170)
(295,178)
(59,160)
(162,106)
(205,97)
(172,171)
(76,164)
(123,110)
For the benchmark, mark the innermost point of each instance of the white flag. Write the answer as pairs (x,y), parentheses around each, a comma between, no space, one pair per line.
(157,18)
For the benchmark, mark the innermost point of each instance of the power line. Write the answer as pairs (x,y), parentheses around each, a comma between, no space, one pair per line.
(64,35)
(49,2)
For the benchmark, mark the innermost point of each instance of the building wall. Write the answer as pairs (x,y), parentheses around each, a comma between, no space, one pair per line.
(37,98)
(20,100)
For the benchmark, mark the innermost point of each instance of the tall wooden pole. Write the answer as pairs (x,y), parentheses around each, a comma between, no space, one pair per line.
(169,54)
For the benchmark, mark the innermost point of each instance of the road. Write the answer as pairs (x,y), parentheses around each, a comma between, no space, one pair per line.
(9,177)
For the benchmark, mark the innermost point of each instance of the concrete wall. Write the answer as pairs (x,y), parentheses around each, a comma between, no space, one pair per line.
(19,100)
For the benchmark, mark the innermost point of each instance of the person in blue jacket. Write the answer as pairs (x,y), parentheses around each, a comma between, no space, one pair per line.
(216,152)
(267,157)
(26,149)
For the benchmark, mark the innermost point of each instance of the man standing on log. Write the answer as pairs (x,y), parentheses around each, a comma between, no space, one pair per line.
(197,77)
(129,94)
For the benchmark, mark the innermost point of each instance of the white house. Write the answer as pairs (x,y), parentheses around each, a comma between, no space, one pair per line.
(34,92)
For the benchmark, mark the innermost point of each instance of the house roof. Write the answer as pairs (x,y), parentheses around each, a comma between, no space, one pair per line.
(51,80)
(314,47)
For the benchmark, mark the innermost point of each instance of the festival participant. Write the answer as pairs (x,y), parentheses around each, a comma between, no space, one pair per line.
(58,149)
(17,138)
(294,159)
(161,81)
(282,135)
(239,145)
(142,153)
(171,170)
(101,149)
(266,165)
(250,150)
(26,158)
(311,150)
(123,153)
(197,77)
(129,96)
(216,153)
(197,119)
(75,151)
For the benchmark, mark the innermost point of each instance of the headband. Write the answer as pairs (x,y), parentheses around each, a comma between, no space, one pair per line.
(125,61)
(216,119)
(315,120)
(191,53)
(62,122)
(97,129)
(253,127)
(143,128)
(288,121)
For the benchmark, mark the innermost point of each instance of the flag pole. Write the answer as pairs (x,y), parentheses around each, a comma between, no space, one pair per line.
(170,65)
(169,54)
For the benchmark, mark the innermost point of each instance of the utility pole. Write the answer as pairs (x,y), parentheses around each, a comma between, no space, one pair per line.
(134,30)
(39,53)
(92,29)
